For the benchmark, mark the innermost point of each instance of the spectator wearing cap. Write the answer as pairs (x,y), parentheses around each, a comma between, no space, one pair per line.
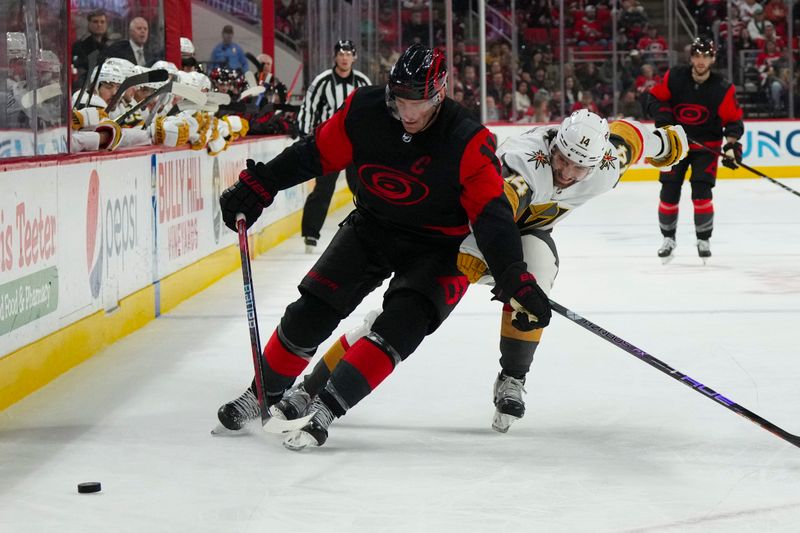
(755,28)
(228,54)
(133,48)
(97,26)
(323,97)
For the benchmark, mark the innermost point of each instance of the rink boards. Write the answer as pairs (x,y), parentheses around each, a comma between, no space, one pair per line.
(93,247)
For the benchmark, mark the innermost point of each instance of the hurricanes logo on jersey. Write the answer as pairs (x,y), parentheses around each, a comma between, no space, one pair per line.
(607,161)
(539,158)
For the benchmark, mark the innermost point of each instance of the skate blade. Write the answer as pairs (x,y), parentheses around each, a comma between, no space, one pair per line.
(300,440)
(222,430)
(278,426)
(705,260)
(665,260)
(502,422)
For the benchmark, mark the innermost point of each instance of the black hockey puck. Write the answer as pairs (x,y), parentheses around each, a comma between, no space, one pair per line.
(88,487)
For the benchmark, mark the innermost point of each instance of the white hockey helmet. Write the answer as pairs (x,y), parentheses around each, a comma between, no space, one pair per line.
(166,65)
(109,73)
(198,80)
(187,47)
(16,45)
(127,68)
(582,138)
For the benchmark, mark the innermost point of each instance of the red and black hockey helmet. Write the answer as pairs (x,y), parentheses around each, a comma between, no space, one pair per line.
(419,73)
(703,46)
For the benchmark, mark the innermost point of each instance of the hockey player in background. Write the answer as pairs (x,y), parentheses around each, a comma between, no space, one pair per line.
(705,105)
(548,172)
(427,172)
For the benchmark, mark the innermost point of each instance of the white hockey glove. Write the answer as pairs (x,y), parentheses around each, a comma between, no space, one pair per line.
(88,117)
(169,131)
(675,147)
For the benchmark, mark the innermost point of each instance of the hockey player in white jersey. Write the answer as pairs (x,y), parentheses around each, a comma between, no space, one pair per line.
(549,172)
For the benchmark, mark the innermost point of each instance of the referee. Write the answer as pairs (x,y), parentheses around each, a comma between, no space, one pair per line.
(326,93)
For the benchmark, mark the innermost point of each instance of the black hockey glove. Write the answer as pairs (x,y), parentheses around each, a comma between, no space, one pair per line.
(254,191)
(733,155)
(518,288)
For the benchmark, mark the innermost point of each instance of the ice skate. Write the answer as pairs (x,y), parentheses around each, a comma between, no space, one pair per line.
(315,432)
(704,250)
(666,252)
(236,414)
(295,404)
(311,244)
(508,402)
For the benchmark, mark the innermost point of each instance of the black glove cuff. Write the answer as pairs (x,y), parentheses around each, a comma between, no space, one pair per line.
(509,281)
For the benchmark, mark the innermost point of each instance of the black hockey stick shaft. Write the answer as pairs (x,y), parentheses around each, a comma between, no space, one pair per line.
(252,317)
(674,374)
(746,167)
(93,64)
(167,87)
(152,76)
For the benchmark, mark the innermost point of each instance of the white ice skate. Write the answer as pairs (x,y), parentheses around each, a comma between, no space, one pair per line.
(667,250)
(509,405)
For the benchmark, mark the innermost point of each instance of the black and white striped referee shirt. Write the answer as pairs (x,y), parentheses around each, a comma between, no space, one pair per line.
(324,96)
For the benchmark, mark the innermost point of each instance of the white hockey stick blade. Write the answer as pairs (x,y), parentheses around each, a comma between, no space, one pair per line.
(250,78)
(42,94)
(252,91)
(189,93)
(279,426)
(218,98)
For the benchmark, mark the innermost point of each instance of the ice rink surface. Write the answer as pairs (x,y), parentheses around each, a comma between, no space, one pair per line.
(608,443)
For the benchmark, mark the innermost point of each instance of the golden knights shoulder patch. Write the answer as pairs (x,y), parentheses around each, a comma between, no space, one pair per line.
(539,158)
(607,161)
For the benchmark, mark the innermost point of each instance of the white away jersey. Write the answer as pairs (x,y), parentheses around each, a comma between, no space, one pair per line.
(527,167)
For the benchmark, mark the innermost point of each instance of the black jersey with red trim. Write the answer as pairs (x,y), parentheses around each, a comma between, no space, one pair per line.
(707,111)
(435,183)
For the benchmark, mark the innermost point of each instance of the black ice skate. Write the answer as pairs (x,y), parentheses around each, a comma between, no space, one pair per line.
(315,432)
(666,252)
(236,414)
(508,402)
(704,249)
(295,404)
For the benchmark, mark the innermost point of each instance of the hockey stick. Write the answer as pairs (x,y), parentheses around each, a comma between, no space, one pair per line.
(42,95)
(218,98)
(91,60)
(187,92)
(674,374)
(252,318)
(151,76)
(167,87)
(746,167)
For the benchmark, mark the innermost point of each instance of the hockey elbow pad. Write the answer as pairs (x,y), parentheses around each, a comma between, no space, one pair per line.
(675,147)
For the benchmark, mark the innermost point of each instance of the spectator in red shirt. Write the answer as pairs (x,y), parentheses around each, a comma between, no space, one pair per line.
(652,45)
(588,30)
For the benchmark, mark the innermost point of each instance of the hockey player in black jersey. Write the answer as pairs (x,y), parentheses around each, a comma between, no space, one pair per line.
(705,105)
(427,172)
